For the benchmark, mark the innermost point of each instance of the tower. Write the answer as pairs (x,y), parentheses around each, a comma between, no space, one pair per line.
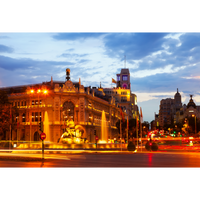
(67,74)
(123,79)
(177,100)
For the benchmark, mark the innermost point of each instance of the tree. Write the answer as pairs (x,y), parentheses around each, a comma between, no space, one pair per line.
(7,114)
(132,128)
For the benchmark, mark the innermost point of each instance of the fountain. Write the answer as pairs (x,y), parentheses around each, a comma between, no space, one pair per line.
(46,126)
(104,131)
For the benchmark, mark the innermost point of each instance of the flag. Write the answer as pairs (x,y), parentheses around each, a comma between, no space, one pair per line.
(113,80)
(122,114)
(141,116)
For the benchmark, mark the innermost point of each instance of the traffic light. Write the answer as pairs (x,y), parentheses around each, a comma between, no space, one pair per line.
(41,126)
(94,132)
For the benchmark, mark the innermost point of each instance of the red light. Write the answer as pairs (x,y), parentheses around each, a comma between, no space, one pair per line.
(150,143)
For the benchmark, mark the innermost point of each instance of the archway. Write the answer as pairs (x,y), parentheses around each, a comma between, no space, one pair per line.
(36,136)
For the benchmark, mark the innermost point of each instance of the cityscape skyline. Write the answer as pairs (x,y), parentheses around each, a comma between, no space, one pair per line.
(159,63)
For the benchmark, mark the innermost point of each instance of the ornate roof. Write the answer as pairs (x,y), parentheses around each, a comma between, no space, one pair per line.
(191,103)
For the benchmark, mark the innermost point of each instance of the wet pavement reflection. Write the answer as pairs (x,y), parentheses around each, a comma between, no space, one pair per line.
(111,160)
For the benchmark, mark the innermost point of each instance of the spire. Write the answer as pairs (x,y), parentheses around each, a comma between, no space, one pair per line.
(100,84)
(177,89)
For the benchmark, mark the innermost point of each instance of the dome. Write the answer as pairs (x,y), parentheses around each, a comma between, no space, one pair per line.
(191,103)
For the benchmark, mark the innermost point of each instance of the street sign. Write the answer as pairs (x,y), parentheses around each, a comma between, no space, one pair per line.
(42,136)
(96,138)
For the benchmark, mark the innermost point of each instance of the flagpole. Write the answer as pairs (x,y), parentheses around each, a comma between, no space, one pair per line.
(127,130)
(141,120)
(141,133)
(137,131)
(121,133)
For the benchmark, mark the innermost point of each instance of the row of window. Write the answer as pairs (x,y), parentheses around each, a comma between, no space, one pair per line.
(23,103)
(36,116)
(124,78)
(19,103)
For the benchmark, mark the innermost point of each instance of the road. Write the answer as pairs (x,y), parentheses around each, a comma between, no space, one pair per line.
(153,159)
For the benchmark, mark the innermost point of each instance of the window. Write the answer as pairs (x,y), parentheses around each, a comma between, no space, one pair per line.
(123,99)
(118,77)
(23,117)
(124,77)
(123,93)
(36,116)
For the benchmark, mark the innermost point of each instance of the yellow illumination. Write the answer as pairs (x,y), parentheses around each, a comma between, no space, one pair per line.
(45,91)
(32,91)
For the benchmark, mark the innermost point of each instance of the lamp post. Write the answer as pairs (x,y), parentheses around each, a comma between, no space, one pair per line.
(39,91)
(195,121)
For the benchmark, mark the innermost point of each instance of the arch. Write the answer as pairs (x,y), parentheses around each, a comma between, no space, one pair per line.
(125,85)
(36,136)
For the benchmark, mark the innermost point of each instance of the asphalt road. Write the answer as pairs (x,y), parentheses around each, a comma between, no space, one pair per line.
(164,159)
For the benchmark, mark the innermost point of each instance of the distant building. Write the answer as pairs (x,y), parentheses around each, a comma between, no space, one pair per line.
(172,111)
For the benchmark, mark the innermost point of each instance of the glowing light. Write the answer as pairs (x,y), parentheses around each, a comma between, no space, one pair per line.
(38,91)
(45,91)
(32,91)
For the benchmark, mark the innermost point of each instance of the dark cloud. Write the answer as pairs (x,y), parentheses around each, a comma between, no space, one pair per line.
(5,49)
(76,36)
(134,45)
(24,63)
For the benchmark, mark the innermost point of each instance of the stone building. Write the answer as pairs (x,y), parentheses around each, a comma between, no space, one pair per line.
(169,108)
(61,102)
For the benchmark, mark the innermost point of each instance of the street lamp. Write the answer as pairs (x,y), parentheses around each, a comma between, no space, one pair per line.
(195,121)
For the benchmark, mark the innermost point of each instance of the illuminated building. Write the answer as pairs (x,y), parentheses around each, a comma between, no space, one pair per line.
(63,101)
(122,94)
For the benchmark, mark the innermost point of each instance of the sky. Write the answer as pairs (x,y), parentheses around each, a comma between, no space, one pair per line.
(159,62)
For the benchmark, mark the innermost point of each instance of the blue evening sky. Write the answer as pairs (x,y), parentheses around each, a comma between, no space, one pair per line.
(160,61)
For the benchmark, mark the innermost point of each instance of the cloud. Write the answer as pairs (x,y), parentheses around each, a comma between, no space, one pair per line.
(134,45)
(24,63)
(76,36)
(5,49)
(72,55)
(4,37)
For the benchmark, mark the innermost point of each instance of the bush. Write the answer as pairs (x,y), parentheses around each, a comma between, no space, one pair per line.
(131,146)
(153,146)
(147,146)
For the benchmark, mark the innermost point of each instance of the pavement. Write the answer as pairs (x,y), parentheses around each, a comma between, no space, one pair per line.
(36,154)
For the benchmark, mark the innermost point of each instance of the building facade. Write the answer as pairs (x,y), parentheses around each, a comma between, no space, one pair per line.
(61,102)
